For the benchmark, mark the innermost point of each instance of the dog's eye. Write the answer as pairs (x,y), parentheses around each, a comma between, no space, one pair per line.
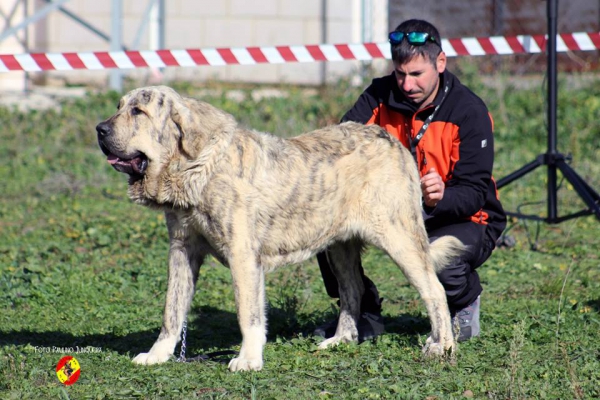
(136,111)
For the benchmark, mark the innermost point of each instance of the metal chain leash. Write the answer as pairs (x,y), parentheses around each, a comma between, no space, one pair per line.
(215,356)
(183,342)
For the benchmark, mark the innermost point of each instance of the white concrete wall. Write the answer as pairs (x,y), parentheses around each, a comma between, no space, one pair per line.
(215,23)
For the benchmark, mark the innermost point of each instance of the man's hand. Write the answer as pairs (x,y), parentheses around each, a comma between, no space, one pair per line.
(432,187)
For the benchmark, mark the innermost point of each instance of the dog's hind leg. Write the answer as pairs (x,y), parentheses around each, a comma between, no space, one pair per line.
(345,260)
(410,251)
(185,259)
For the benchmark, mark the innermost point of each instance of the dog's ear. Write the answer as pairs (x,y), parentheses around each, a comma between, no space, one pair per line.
(198,122)
(184,120)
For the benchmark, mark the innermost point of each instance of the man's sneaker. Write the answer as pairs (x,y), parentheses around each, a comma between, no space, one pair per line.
(467,320)
(370,325)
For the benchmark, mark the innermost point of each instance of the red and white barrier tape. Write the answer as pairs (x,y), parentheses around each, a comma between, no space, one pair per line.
(502,45)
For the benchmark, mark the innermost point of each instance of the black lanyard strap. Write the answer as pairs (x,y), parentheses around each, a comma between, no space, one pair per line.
(414,142)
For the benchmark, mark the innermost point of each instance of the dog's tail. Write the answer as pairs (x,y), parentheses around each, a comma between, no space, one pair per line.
(444,249)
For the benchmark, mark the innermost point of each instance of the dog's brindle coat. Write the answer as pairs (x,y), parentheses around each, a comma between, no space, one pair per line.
(256,201)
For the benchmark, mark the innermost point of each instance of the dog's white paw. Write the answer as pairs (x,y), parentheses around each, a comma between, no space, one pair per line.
(334,341)
(245,364)
(436,349)
(433,350)
(150,358)
(331,342)
(160,352)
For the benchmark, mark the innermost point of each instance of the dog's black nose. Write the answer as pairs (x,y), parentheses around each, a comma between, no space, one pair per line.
(103,129)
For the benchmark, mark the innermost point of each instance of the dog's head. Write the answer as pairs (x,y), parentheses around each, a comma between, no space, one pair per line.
(155,125)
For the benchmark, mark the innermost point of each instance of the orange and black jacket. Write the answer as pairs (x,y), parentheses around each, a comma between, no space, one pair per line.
(458,143)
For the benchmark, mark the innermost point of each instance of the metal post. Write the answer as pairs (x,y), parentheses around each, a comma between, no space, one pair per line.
(367,21)
(156,29)
(156,17)
(323,39)
(161,24)
(27,82)
(116,76)
(366,30)
(153,27)
(498,18)
(552,102)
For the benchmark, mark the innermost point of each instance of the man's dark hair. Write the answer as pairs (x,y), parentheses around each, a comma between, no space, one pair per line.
(404,51)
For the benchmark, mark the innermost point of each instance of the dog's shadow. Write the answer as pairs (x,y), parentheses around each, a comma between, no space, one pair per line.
(63,342)
(211,331)
(408,325)
(213,328)
(284,325)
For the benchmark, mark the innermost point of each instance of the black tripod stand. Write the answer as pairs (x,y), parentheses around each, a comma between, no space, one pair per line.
(552,158)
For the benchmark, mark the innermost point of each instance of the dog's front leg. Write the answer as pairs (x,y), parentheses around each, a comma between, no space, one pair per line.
(249,286)
(184,265)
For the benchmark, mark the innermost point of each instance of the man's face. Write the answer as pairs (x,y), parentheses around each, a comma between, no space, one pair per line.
(418,79)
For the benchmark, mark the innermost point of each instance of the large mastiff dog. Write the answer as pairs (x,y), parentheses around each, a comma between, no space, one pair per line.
(256,201)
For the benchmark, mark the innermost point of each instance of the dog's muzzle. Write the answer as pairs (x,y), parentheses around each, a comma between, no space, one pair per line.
(134,165)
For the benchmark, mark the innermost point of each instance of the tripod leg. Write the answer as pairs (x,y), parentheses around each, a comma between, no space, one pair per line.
(587,194)
(524,170)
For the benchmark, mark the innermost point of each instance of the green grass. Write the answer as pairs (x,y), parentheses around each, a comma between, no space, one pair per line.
(83,268)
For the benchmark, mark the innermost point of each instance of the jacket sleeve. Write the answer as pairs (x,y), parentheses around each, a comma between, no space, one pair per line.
(366,108)
(466,189)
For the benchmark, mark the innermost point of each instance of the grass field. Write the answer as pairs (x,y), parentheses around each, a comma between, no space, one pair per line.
(83,273)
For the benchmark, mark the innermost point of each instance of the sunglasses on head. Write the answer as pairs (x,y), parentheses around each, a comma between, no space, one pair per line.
(413,38)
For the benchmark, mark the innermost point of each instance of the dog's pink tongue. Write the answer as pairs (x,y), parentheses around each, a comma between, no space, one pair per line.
(112,159)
